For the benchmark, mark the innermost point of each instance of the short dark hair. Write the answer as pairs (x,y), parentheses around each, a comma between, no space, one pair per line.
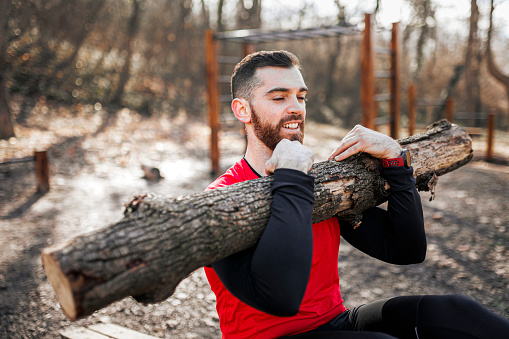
(243,77)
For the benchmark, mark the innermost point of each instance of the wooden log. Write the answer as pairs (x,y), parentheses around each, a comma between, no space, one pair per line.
(162,240)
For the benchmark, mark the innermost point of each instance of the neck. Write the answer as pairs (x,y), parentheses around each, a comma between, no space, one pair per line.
(257,155)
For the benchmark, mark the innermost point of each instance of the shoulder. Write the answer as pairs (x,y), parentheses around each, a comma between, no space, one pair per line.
(239,172)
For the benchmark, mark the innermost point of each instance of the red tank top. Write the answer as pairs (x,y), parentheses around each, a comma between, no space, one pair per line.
(322,301)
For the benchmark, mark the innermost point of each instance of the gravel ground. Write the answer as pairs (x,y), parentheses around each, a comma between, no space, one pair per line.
(95,169)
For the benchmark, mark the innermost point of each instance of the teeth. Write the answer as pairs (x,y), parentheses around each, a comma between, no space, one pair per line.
(291,126)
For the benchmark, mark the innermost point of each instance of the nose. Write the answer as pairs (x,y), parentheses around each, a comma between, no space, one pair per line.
(296,106)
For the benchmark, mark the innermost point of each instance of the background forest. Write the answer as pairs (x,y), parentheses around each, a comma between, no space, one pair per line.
(149,55)
(110,88)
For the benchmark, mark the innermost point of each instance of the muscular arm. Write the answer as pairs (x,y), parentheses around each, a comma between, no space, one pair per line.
(397,235)
(272,276)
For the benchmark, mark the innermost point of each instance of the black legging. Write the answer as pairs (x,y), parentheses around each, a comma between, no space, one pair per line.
(422,317)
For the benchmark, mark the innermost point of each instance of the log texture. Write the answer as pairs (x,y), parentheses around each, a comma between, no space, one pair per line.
(161,240)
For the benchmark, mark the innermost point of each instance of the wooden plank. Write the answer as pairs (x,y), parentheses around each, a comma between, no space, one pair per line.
(81,333)
(119,332)
(430,102)
(383,74)
(14,161)
(225,59)
(383,97)
(383,51)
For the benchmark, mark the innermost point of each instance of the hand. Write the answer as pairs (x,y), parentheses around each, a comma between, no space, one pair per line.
(290,154)
(362,139)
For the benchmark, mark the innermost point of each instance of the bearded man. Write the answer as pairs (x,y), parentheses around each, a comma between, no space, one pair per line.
(288,283)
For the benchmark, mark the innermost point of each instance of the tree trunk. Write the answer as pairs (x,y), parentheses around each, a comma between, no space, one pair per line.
(6,128)
(162,240)
(132,29)
(473,64)
(438,112)
(220,25)
(492,66)
(249,18)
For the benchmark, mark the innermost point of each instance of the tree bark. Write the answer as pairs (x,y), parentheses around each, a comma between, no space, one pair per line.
(162,240)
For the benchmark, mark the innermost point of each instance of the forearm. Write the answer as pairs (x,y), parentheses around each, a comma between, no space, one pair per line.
(405,211)
(396,235)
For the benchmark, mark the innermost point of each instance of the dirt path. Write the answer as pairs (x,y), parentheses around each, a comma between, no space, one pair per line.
(94,173)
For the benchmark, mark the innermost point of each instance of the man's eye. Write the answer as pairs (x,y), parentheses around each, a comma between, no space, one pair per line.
(278,99)
(302,99)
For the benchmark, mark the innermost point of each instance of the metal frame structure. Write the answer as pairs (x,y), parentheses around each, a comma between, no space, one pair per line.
(369,97)
(249,38)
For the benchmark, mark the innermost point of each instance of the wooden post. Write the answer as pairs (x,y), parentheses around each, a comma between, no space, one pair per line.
(247,49)
(411,109)
(42,171)
(449,110)
(491,135)
(395,88)
(213,96)
(368,104)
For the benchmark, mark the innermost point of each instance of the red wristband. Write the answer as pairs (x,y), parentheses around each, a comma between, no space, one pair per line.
(394,162)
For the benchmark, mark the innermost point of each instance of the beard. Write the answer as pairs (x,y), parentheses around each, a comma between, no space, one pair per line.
(271,135)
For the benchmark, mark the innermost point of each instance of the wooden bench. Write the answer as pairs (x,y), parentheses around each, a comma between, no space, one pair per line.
(103,331)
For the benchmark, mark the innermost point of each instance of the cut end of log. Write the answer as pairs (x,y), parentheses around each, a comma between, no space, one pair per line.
(60,283)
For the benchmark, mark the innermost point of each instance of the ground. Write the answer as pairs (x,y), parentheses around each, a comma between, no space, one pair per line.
(95,157)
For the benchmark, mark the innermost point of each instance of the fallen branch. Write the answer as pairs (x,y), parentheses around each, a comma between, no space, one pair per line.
(162,240)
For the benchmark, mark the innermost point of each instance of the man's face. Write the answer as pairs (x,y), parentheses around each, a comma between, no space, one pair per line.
(278,107)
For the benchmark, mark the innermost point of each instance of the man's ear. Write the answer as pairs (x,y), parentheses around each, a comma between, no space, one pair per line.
(242,110)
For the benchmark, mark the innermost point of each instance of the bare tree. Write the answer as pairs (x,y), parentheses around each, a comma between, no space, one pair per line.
(473,63)
(492,67)
(6,129)
(334,56)
(132,29)
(220,25)
(249,18)
(421,22)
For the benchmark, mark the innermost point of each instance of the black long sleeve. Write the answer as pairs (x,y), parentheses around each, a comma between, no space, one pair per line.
(397,235)
(272,276)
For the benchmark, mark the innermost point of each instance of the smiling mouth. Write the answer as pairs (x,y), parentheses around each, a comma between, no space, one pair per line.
(293,125)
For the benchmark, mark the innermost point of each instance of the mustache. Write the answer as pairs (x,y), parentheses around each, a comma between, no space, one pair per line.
(289,118)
